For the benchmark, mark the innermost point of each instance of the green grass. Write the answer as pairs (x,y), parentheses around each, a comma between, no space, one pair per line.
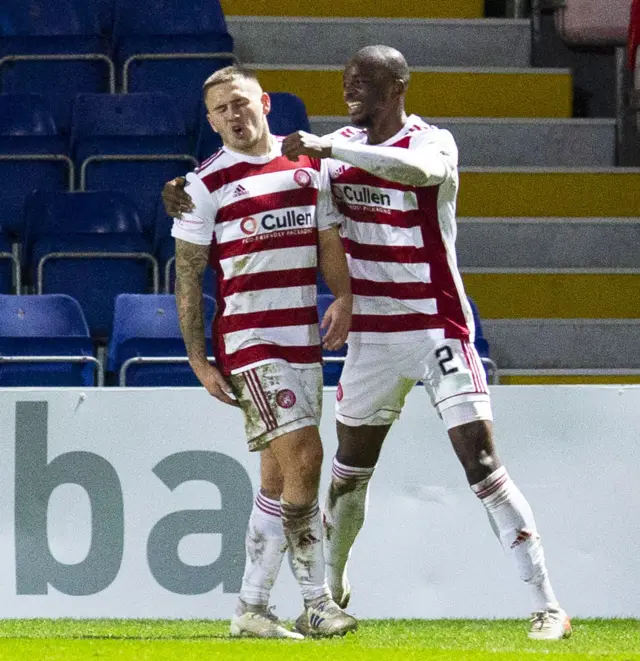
(377,640)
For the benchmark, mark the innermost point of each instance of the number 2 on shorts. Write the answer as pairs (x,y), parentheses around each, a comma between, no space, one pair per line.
(444,356)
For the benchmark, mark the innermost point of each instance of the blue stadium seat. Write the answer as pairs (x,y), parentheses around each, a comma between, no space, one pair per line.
(56,49)
(148,326)
(481,344)
(38,326)
(146,123)
(331,371)
(42,26)
(104,224)
(288,114)
(170,30)
(140,176)
(8,265)
(21,175)
(27,126)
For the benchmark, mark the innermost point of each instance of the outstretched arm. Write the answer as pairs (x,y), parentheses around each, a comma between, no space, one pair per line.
(427,166)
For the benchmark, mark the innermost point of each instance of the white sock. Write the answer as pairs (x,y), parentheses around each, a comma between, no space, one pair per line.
(345,511)
(266,545)
(512,520)
(303,529)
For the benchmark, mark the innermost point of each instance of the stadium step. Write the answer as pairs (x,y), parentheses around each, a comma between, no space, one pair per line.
(368,8)
(603,344)
(554,293)
(566,192)
(497,142)
(550,243)
(523,377)
(438,92)
(428,43)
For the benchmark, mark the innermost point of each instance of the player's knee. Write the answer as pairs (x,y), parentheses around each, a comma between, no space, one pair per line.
(306,463)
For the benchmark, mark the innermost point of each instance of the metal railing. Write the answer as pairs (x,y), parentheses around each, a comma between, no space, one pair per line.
(167,274)
(171,56)
(45,157)
(16,268)
(59,359)
(151,360)
(132,158)
(99,255)
(66,57)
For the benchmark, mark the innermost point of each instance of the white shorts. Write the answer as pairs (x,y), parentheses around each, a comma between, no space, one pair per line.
(377,377)
(276,399)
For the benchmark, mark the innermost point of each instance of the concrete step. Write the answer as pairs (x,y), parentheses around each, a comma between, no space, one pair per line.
(605,243)
(519,142)
(568,192)
(569,377)
(425,43)
(564,344)
(361,8)
(554,293)
(437,92)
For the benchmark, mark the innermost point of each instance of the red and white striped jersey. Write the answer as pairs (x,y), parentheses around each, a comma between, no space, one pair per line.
(400,243)
(261,216)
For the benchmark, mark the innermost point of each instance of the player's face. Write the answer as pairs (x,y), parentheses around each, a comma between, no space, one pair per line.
(365,91)
(237,110)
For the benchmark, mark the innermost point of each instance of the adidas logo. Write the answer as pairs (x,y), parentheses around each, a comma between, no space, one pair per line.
(315,620)
(523,536)
(240,190)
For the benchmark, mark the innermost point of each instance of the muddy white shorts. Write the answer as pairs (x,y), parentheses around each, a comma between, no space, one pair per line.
(377,377)
(276,399)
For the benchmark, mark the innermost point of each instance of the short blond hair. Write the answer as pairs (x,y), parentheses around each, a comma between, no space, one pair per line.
(227,75)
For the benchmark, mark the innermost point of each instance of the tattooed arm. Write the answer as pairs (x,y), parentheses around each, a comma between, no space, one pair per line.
(191,261)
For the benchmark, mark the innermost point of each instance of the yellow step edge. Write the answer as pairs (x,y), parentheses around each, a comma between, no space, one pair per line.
(545,194)
(554,295)
(438,93)
(599,379)
(359,9)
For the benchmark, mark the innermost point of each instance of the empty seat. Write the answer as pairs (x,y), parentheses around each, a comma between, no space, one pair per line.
(146,123)
(90,246)
(170,26)
(288,114)
(27,126)
(140,176)
(148,327)
(9,267)
(593,22)
(22,174)
(42,26)
(34,328)
(333,360)
(171,46)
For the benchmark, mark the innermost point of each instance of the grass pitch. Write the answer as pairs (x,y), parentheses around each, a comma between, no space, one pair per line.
(377,640)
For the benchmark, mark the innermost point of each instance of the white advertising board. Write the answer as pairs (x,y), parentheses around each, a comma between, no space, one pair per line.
(133,503)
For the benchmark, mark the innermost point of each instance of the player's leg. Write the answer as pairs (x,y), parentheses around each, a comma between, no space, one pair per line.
(458,386)
(266,546)
(299,454)
(369,399)
(287,405)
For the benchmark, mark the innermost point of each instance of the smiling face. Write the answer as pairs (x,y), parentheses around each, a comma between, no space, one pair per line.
(237,110)
(367,91)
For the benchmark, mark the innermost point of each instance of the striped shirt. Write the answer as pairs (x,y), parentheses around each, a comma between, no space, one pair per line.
(261,216)
(400,243)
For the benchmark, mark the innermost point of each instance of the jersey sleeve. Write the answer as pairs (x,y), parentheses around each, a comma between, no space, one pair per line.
(197,226)
(437,145)
(326,212)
